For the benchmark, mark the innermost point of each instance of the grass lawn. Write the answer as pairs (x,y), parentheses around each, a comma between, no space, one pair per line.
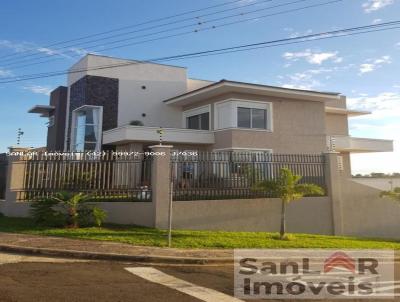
(195,239)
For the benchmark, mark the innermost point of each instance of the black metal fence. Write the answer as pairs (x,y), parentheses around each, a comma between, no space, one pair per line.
(107,176)
(3,175)
(231,175)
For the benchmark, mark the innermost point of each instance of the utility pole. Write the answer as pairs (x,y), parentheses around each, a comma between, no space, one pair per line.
(170,215)
(19,134)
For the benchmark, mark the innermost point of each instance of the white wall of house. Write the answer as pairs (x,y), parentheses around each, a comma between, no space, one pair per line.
(160,81)
(193,84)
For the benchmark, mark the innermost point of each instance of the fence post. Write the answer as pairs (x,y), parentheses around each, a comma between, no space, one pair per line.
(333,184)
(160,184)
(14,181)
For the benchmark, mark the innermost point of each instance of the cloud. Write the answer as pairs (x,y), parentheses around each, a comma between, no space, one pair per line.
(384,105)
(38,89)
(19,47)
(373,64)
(80,51)
(382,123)
(374,5)
(5,73)
(376,21)
(295,34)
(304,80)
(312,57)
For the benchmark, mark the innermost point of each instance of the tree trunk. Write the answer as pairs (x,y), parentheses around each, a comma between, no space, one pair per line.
(283,219)
(74,218)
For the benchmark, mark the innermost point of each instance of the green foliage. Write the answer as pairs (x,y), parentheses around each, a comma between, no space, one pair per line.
(394,194)
(43,212)
(99,216)
(286,237)
(142,236)
(286,186)
(78,179)
(67,209)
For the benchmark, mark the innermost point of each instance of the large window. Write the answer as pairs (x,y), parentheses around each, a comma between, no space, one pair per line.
(86,128)
(199,121)
(243,114)
(251,118)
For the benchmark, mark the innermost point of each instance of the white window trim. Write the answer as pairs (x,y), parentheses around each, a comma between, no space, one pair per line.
(237,102)
(196,111)
(100,126)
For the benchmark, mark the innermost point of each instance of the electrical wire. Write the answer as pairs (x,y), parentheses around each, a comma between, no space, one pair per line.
(246,47)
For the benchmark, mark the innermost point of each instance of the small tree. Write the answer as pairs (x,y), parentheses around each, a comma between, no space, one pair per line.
(286,186)
(394,194)
(67,208)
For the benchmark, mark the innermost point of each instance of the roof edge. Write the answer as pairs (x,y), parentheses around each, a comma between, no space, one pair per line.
(224,81)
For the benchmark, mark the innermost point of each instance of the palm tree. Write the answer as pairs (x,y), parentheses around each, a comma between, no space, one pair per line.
(73,203)
(394,194)
(286,186)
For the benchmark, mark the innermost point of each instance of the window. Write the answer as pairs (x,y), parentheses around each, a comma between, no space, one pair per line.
(199,121)
(86,133)
(243,114)
(251,118)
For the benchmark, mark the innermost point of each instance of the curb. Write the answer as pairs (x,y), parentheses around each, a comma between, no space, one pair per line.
(112,256)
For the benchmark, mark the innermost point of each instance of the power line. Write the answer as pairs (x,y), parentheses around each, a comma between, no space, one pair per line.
(197,23)
(212,27)
(132,26)
(57,50)
(285,41)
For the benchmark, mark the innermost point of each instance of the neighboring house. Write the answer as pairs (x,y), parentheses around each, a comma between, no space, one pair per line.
(95,109)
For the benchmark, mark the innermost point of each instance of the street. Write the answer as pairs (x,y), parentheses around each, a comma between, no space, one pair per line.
(25,278)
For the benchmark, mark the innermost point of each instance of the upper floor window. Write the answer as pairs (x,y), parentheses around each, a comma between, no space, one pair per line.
(243,114)
(251,118)
(199,121)
(197,118)
(86,128)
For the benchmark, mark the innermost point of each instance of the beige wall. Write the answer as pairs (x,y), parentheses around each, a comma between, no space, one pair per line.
(340,103)
(193,84)
(139,213)
(337,124)
(298,126)
(309,215)
(366,214)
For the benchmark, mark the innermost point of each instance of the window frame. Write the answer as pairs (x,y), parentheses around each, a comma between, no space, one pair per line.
(196,111)
(251,118)
(74,127)
(230,107)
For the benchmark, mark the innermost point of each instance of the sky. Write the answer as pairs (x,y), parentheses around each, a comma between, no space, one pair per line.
(365,68)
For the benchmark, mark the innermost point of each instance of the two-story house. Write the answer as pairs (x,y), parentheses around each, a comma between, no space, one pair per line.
(104,95)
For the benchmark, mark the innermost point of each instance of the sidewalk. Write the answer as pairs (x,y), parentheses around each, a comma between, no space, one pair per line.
(103,250)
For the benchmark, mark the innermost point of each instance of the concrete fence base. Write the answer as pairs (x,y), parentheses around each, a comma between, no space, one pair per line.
(349,209)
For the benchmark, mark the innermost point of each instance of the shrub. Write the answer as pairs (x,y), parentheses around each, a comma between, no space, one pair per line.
(43,212)
(99,216)
(67,209)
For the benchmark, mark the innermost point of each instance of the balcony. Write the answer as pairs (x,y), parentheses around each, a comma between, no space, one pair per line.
(342,143)
(126,134)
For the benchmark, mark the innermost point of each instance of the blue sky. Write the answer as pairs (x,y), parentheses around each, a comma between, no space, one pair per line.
(365,67)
